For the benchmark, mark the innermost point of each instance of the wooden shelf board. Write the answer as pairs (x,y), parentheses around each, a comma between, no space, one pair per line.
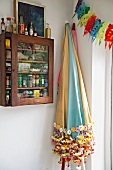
(21,72)
(27,49)
(31,88)
(32,61)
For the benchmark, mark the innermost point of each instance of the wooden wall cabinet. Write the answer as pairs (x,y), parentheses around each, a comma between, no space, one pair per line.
(26,70)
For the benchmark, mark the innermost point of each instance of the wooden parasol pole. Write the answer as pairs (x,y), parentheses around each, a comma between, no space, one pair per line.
(63,164)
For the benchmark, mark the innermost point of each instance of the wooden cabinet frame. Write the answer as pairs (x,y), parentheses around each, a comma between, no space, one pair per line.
(14,39)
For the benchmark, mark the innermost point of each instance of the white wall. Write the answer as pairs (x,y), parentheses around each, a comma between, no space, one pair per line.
(25,142)
(93,63)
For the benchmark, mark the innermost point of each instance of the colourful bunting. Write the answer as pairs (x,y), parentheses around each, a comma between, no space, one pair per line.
(101,32)
(85,18)
(89,25)
(95,29)
(92,24)
(109,35)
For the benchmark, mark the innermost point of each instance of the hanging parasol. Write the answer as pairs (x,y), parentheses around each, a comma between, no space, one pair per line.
(72,136)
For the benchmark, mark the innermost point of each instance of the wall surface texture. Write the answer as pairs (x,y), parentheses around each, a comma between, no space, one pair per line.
(94,67)
(25,142)
(25,132)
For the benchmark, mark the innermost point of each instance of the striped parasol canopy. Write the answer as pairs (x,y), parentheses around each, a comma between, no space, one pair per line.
(72,135)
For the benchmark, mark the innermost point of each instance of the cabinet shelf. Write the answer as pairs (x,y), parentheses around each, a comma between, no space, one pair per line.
(8,48)
(8,88)
(31,88)
(8,60)
(8,72)
(27,88)
(32,61)
(21,72)
(34,50)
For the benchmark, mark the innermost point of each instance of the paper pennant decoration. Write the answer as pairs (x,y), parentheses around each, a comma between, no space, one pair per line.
(99,31)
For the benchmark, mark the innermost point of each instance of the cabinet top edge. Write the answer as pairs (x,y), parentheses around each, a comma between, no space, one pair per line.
(24,36)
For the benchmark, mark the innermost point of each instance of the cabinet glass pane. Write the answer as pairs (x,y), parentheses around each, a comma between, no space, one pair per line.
(32,70)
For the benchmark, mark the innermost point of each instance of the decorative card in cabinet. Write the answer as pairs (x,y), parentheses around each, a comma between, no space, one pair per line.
(26,70)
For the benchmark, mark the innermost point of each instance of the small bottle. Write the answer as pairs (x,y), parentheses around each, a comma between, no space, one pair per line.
(37,80)
(14,27)
(24,81)
(41,93)
(21,25)
(46,81)
(48,31)
(7,81)
(42,81)
(26,30)
(31,29)
(7,97)
(35,32)
(20,80)
(33,80)
(8,25)
(2,25)
(45,93)
(10,81)
(29,80)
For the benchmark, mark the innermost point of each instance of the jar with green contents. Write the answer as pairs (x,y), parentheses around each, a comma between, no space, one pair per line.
(10,81)
(40,81)
(20,80)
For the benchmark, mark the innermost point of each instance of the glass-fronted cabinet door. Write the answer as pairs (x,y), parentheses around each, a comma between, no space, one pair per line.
(34,70)
(26,70)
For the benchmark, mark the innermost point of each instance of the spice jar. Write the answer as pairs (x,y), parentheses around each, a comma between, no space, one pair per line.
(29,80)
(24,81)
(41,93)
(7,43)
(20,80)
(42,80)
(7,97)
(33,80)
(46,81)
(7,81)
(45,93)
(37,80)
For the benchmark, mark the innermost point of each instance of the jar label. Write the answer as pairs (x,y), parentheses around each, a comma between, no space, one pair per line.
(31,32)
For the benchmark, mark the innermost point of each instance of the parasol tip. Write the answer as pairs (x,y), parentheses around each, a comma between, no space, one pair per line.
(66,22)
(73,26)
